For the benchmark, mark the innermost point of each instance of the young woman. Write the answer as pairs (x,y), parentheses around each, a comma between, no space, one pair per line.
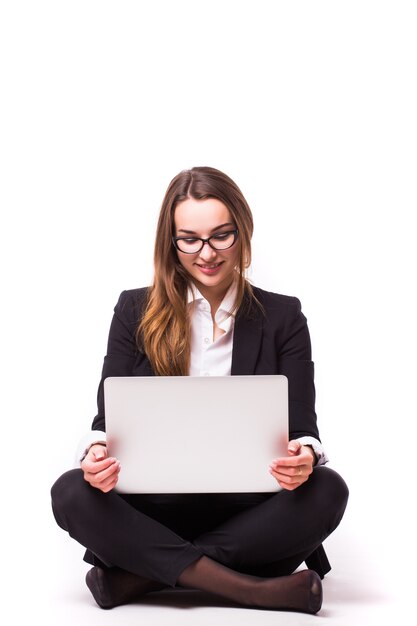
(201,316)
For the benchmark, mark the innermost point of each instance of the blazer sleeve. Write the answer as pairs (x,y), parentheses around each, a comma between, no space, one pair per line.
(294,361)
(122,350)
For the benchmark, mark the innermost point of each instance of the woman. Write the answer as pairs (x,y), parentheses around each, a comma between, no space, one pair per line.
(244,547)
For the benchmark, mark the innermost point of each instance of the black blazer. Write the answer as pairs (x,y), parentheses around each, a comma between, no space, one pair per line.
(273,341)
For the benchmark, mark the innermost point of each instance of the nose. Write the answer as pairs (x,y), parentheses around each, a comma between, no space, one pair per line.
(207,253)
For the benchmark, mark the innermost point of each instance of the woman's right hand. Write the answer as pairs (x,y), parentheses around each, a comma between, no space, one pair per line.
(100,470)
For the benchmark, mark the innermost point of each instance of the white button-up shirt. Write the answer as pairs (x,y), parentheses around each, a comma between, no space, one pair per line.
(209,356)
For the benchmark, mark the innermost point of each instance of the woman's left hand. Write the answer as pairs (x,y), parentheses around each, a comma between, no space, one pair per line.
(293,470)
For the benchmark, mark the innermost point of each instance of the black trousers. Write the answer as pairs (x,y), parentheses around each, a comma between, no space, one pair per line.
(158,536)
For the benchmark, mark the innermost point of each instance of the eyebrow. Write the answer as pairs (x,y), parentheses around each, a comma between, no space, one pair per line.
(213,230)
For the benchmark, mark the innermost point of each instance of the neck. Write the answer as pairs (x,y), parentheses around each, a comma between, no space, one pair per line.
(214,295)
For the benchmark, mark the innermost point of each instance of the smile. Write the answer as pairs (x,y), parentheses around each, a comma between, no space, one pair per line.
(212,266)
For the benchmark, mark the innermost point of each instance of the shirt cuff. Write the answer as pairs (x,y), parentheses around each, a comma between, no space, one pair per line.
(85,443)
(318,449)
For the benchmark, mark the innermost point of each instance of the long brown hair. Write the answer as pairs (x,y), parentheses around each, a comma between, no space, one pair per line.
(164,331)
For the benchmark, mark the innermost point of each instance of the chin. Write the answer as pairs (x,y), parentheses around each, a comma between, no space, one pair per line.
(214,282)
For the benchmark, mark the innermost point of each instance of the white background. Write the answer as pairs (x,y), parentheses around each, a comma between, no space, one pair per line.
(311,108)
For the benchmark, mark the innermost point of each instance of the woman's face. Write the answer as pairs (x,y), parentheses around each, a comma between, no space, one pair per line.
(211,270)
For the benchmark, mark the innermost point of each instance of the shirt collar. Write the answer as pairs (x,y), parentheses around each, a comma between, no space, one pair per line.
(194,295)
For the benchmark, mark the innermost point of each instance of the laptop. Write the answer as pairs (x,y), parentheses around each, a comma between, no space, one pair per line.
(196,434)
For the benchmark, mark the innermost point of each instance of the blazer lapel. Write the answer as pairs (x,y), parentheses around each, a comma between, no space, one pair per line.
(247,339)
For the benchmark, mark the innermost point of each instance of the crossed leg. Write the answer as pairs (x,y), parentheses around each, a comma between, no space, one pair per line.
(279,533)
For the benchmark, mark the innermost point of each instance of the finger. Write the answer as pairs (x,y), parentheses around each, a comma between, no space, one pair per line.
(294,448)
(100,477)
(108,474)
(289,476)
(304,458)
(286,482)
(288,461)
(93,467)
(290,487)
(109,484)
(292,474)
(293,461)
(99,452)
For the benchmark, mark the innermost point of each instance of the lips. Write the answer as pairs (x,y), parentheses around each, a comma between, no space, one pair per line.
(210,268)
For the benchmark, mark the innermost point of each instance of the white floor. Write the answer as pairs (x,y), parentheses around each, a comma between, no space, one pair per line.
(359,590)
(352,596)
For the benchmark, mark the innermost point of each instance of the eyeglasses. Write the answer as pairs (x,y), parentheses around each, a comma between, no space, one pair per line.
(192,245)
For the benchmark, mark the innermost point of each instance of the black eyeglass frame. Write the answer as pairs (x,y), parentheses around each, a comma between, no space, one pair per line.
(235,232)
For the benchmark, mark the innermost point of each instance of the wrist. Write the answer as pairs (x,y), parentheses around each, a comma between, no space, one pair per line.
(87,450)
(96,443)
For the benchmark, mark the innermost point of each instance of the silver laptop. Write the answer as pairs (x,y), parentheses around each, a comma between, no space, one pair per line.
(196,434)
